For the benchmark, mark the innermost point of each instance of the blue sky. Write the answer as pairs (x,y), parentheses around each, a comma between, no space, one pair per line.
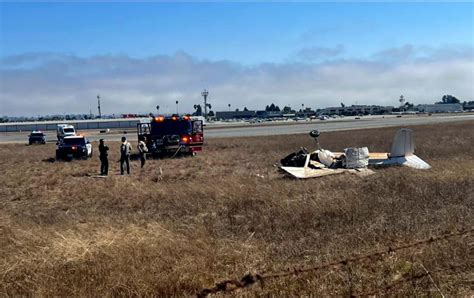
(241,32)
(143,54)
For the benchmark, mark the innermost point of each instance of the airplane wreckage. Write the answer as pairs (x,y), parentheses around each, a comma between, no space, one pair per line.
(319,163)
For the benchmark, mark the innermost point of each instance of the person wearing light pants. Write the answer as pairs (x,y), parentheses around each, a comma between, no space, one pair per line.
(142,150)
(125,151)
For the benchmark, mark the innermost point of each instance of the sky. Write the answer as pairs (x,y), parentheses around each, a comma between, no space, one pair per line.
(56,57)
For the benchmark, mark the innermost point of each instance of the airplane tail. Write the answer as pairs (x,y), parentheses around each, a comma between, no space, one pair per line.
(403,149)
(403,144)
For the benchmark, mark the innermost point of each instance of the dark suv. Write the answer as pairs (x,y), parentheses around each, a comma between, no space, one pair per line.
(73,147)
(37,137)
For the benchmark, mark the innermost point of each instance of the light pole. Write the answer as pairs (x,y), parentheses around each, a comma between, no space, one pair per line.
(229,107)
(204,94)
(98,106)
(177,107)
(158,108)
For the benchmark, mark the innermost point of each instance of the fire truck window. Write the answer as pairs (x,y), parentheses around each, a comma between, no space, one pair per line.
(145,128)
(197,127)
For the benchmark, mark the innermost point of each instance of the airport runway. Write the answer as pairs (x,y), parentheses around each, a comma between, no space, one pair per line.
(324,126)
(269,129)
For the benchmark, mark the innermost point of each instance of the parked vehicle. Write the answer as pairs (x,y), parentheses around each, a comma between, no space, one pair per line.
(73,147)
(37,137)
(172,135)
(65,130)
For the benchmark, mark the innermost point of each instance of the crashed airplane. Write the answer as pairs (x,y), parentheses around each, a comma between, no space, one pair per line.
(319,163)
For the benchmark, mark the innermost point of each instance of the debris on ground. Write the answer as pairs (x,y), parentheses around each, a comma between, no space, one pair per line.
(304,164)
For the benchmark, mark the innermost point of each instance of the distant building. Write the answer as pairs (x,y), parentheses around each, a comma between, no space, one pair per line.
(265,114)
(226,115)
(261,114)
(357,110)
(469,106)
(307,112)
(440,108)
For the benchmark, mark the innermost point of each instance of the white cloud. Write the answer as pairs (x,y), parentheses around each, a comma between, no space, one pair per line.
(48,83)
(316,53)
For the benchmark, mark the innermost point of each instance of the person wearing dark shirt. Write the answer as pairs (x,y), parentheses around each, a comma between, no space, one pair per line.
(104,160)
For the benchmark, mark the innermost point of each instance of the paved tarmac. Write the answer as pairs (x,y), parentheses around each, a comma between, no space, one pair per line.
(269,129)
(324,126)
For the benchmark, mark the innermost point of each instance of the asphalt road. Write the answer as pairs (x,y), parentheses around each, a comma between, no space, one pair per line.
(269,129)
(333,125)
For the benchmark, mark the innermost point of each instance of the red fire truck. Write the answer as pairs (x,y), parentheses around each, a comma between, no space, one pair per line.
(172,135)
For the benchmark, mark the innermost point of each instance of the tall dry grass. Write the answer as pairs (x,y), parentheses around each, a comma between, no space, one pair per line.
(229,211)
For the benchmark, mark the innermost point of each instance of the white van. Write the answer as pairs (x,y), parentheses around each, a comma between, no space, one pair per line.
(65,130)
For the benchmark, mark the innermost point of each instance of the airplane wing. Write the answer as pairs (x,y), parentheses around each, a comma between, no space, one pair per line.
(383,158)
(411,161)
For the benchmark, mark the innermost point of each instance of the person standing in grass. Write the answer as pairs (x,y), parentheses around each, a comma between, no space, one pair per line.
(103,156)
(125,151)
(142,150)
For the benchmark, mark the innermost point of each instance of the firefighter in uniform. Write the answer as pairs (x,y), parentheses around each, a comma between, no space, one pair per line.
(104,161)
(142,150)
(125,151)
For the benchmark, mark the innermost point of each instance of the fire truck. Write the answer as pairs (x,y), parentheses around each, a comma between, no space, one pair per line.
(172,135)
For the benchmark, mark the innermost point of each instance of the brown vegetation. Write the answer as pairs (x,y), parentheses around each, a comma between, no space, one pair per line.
(229,211)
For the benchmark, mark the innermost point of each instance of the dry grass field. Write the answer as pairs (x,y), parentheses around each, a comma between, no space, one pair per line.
(229,211)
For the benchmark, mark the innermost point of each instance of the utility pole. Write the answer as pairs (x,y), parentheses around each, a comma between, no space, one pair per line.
(402,102)
(98,106)
(204,94)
